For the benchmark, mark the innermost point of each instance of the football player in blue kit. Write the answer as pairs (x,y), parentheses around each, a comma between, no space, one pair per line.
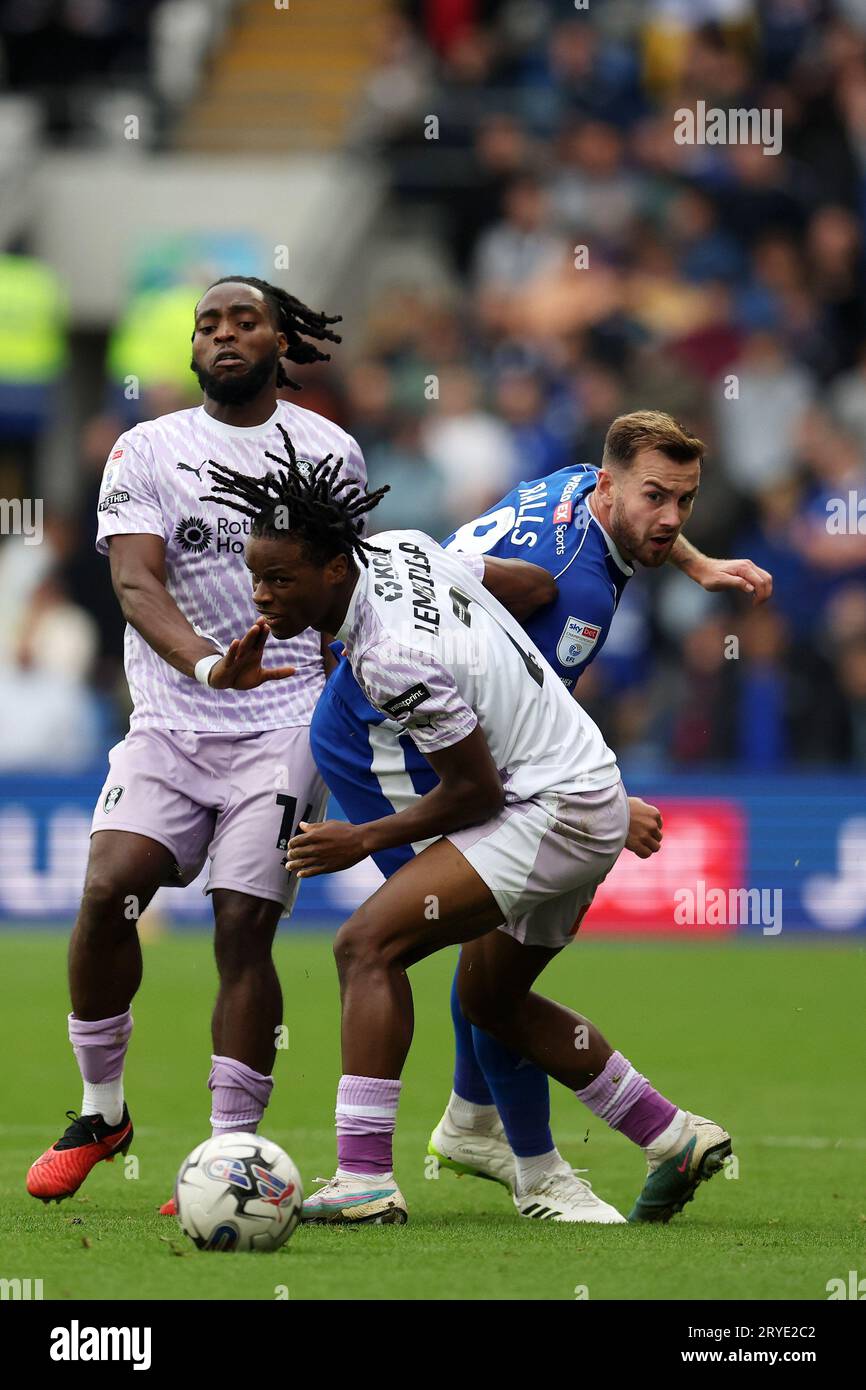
(588,528)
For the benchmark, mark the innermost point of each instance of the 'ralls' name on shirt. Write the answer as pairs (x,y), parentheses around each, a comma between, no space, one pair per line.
(532,499)
(424,607)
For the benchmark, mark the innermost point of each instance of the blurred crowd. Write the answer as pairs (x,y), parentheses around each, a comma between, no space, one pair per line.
(592,265)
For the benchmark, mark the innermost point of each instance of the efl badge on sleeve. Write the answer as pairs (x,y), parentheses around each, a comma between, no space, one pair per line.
(577,641)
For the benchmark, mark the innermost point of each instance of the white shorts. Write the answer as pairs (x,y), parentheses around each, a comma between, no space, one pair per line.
(543,859)
(234,799)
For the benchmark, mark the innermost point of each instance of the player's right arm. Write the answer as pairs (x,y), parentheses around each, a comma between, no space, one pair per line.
(520,586)
(138,576)
(469,792)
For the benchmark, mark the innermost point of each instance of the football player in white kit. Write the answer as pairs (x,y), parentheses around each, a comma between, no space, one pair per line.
(527,819)
(206,771)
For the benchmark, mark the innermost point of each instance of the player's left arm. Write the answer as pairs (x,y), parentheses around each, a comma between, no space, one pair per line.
(718,575)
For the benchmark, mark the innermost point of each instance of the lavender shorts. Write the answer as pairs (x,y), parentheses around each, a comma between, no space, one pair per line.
(543,859)
(234,799)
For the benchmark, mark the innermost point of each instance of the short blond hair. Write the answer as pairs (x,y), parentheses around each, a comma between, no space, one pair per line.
(649,429)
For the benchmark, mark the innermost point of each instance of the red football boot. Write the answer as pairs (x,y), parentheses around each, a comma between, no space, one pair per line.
(168,1208)
(61,1170)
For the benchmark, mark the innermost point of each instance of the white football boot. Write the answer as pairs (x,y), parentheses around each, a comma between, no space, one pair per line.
(354,1200)
(563,1196)
(481,1155)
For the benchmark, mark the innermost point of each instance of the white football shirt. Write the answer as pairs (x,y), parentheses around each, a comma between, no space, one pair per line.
(154,483)
(438,654)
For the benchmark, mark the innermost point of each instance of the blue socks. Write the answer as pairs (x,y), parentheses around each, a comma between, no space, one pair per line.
(486,1073)
(468,1077)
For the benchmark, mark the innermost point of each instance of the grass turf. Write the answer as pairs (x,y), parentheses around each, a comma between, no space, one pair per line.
(760,1036)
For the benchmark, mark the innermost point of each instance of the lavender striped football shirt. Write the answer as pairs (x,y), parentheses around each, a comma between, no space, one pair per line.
(154,482)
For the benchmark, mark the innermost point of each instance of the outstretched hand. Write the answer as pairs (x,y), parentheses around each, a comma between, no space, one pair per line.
(241,666)
(718,575)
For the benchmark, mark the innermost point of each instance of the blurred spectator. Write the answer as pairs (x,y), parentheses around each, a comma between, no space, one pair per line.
(393,101)
(419,490)
(757,426)
(851,675)
(521,246)
(32,346)
(697,706)
(848,399)
(593,191)
(469,446)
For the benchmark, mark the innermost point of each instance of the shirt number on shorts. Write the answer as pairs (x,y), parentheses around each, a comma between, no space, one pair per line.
(289,805)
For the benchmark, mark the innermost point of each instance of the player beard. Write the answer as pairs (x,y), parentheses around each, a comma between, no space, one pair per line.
(237,388)
(633,546)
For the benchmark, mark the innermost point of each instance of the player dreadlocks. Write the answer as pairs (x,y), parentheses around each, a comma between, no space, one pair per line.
(313,505)
(292,319)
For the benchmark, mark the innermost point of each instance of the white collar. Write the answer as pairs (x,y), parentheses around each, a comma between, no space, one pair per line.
(610,543)
(240,431)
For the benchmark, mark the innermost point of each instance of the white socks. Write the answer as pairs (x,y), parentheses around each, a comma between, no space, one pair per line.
(531,1171)
(476,1119)
(365,1179)
(669,1137)
(104,1098)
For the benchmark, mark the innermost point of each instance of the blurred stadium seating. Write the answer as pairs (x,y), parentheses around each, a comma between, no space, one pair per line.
(493,139)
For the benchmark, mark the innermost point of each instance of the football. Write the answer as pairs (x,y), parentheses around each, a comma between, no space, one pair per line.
(238,1192)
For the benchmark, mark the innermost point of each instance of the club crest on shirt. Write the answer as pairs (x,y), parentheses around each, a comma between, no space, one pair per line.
(112,796)
(577,641)
(193,534)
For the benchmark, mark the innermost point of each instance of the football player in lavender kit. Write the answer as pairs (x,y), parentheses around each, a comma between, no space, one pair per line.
(587,528)
(526,819)
(217,761)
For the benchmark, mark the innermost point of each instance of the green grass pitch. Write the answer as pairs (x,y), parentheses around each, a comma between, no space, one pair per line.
(759,1036)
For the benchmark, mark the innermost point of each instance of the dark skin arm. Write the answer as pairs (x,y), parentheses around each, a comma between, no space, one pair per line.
(521,587)
(469,792)
(138,576)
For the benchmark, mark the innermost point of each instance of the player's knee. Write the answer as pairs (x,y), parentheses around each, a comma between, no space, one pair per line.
(243,937)
(358,945)
(108,905)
